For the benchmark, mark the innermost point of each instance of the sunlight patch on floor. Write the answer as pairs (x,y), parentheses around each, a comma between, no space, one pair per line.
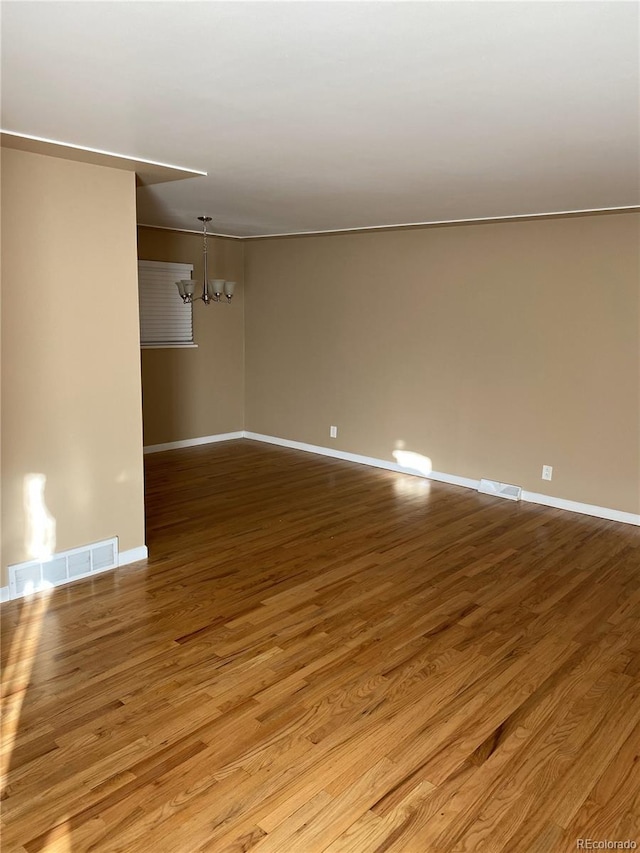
(411,487)
(17,674)
(58,839)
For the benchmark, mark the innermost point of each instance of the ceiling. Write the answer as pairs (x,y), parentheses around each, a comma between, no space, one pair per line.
(316,116)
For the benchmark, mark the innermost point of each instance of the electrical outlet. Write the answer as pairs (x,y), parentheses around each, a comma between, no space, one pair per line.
(547,472)
(333,432)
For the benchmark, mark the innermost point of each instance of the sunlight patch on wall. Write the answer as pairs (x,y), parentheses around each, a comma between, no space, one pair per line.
(413,461)
(40,525)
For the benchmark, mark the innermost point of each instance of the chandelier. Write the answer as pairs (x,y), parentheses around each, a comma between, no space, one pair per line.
(213,289)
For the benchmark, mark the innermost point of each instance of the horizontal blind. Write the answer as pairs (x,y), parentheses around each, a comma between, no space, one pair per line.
(164,318)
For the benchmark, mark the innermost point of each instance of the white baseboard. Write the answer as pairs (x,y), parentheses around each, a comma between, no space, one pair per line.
(585,509)
(363,460)
(441,477)
(133,555)
(453,479)
(324,451)
(193,442)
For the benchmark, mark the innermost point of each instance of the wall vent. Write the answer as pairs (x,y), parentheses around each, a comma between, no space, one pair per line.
(25,578)
(500,490)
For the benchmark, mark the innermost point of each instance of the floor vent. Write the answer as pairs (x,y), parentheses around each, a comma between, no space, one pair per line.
(25,578)
(500,490)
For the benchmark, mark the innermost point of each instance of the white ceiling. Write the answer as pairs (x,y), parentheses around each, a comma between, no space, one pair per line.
(314,116)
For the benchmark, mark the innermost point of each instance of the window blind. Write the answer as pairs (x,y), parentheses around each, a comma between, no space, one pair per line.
(164,318)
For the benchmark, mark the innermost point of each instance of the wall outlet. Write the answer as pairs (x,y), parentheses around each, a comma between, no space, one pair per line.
(547,472)
(333,432)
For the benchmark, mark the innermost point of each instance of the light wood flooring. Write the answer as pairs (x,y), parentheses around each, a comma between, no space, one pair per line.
(321,657)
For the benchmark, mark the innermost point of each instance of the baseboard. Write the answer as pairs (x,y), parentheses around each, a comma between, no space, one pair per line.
(133,555)
(585,509)
(324,451)
(440,476)
(193,442)
(453,479)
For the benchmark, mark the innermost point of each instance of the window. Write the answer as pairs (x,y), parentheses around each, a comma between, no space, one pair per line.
(165,321)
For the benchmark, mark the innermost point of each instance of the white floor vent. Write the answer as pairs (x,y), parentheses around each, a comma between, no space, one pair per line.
(25,578)
(500,490)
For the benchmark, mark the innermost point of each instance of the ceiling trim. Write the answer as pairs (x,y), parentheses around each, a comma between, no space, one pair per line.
(192,231)
(519,217)
(147,171)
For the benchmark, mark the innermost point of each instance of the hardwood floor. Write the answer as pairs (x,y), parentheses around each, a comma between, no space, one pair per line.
(326,658)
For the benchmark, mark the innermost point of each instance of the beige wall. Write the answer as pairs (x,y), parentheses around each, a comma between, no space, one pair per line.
(71,407)
(189,393)
(492,349)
